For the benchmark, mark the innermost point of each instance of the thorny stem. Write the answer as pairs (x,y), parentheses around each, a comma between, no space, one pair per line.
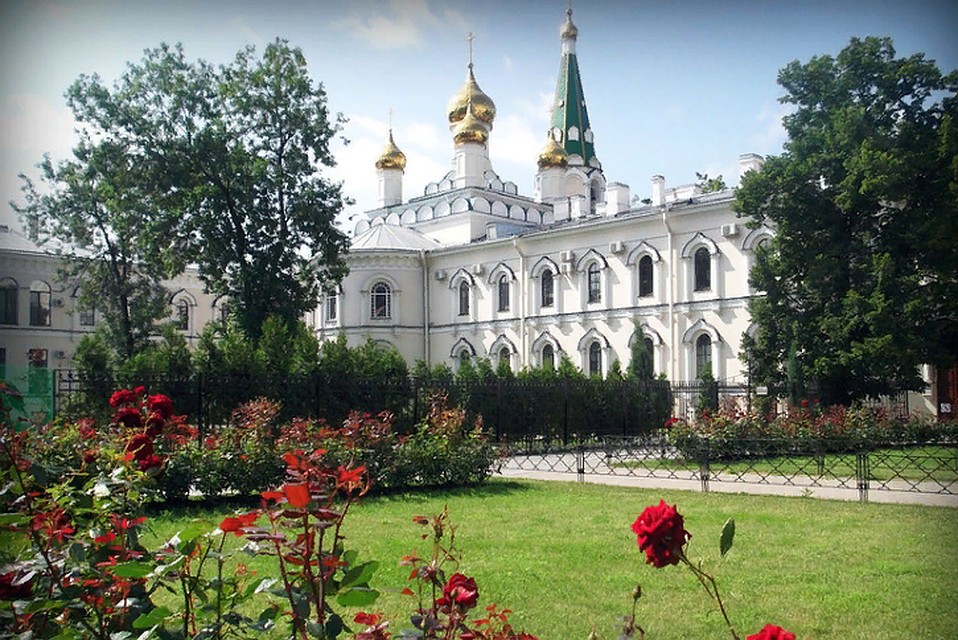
(711,587)
(219,587)
(298,625)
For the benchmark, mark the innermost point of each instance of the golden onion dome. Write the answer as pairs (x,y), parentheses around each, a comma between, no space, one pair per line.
(470,129)
(553,155)
(391,157)
(483,108)
(569,30)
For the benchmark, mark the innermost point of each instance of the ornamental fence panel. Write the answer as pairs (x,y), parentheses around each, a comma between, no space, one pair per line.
(916,467)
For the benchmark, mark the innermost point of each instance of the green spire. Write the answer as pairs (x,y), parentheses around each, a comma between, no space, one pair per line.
(569,113)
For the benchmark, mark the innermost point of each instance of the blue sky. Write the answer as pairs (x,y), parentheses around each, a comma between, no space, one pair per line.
(673,87)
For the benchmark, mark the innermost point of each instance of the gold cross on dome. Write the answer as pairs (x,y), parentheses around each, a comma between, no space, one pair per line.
(469,39)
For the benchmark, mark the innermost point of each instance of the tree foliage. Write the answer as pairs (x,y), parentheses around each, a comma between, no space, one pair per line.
(864,207)
(216,166)
(88,209)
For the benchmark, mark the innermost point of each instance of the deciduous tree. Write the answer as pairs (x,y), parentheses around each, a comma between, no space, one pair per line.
(860,279)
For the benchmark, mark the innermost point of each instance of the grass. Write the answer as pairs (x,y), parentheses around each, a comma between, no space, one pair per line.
(563,558)
(917,464)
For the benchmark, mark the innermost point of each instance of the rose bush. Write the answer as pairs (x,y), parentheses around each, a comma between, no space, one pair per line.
(809,429)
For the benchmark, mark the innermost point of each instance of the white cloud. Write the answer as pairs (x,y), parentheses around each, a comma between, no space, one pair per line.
(31,123)
(398,24)
(355,162)
(516,140)
(771,134)
(250,35)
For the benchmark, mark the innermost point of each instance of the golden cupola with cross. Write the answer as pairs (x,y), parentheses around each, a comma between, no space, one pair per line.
(471,113)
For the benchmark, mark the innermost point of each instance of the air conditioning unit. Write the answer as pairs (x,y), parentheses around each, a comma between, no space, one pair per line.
(441,274)
(729,230)
(60,354)
(567,256)
(616,247)
(567,268)
(477,269)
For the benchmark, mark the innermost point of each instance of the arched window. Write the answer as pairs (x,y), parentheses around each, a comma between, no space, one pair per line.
(703,355)
(503,292)
(464,298)
(649,345)
(463,357)
(595,359)
(505,355)
(548,357)
(547,285)
(645,277)
(380,300)
(39,304)
(703,270)
(594,277)
(8,301)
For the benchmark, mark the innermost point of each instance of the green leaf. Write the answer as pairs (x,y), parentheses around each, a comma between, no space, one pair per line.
(728,536)
(133,569)
(334,626)
(262,585)
(360,574)
(154,617)
(12,518)
(193,530)
(357,597)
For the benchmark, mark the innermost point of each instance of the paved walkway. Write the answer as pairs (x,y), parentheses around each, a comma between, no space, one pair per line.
(780,489)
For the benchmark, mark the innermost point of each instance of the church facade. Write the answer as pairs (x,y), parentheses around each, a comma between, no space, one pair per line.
(472,268)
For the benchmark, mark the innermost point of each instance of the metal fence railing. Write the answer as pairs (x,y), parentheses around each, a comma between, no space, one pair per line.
(906,467)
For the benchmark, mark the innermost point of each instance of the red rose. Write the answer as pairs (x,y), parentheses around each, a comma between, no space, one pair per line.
(771,632)
(460,591)
(140,446)
(160,404)
(129,417)
(661,534)
(122,397)
(149,462)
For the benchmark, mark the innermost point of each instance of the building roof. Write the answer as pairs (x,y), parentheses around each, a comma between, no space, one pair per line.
(392,237)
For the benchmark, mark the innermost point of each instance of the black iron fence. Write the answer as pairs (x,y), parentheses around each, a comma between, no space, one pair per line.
(928,467)
(511,410)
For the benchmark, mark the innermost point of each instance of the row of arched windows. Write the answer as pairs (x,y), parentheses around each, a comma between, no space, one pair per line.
(593,351)
(40,302)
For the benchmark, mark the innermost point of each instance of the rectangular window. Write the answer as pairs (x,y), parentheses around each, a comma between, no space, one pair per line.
(595,285)
(87,317)
(332,304)
(39,308)
(182,318)
(8,305)
(548,289)
(38,377)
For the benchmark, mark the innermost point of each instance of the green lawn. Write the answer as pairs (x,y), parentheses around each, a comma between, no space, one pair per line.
(918,464)
(563,558)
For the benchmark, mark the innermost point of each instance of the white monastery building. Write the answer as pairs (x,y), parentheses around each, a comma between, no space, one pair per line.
(471,268)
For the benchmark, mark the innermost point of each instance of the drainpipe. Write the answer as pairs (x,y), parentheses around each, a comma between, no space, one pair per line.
(523,279)
(425,306)
(673,347)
